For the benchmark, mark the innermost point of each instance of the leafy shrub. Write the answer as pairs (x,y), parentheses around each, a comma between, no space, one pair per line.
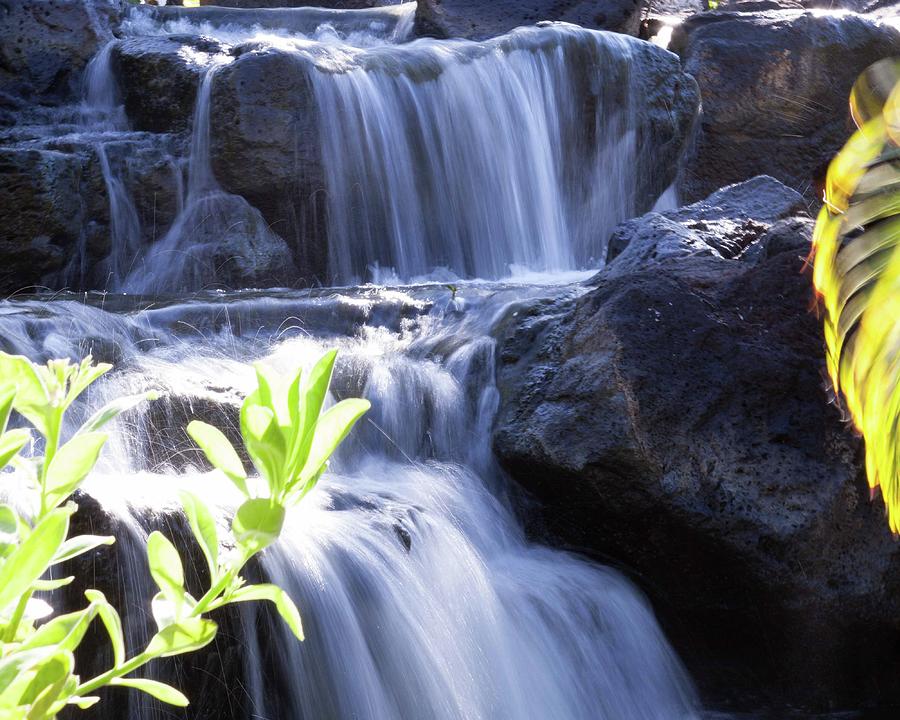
(289,440)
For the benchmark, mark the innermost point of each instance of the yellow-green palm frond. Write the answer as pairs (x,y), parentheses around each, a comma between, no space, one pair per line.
(857,275)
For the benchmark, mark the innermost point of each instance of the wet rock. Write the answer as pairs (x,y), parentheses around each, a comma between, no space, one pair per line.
(727,224)
(477,20)
(774,86)
(158,78)
(674,420)
(41,214)
(46,44)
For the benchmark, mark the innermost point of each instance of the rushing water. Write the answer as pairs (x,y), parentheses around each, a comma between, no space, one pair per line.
(421,597)
(446,158)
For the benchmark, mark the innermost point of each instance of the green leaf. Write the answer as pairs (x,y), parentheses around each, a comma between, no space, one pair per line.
(257,524)
(203,525)
(83,703)
(165,566)
(7,396)
(330,430)
(314,391)
(112,410)
(13,666)
(51,675)
(182,637)
(71,465)
(32,558)
(32,399)
(80,544)
(84,376)
(161,691)
(111,621)
(11,443)
(63,631)
(220,452)
(275,594)
(9,530)
(48,585)
(263,440)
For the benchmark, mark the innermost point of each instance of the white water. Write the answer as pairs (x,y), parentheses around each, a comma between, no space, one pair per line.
(421,596)
(471,620)
(443,159)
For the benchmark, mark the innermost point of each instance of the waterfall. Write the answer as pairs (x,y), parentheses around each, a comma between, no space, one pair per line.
(442,162)
(478,158)
(421,596)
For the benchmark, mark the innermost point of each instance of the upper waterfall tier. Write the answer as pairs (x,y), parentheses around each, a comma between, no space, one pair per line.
(258,148)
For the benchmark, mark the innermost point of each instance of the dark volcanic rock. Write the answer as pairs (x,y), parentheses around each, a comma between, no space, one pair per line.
(158,78)
(41,214)
(46,44)
(476,19)
(674,419)
(774,88)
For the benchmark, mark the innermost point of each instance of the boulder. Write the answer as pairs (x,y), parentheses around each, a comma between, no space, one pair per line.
(158,78)
(41,213)
(45,45)
(775,86)
(477,20)
(673,420)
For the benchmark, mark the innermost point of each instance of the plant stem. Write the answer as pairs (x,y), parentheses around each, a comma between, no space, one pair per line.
(104,679)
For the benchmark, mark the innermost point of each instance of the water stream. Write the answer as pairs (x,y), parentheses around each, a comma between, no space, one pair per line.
(421,596)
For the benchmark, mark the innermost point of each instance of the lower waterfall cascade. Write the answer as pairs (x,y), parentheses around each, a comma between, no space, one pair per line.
(460,179)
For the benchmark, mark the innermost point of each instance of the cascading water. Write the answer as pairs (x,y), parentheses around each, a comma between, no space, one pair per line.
(421,596)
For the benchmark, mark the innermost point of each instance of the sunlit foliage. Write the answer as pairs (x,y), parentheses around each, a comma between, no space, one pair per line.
(857,275)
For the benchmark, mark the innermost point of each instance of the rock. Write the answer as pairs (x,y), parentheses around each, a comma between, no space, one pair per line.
(774,86)
(477,20)
(725,225)
(41,214)
(46,44)
(673,420)
(158,78)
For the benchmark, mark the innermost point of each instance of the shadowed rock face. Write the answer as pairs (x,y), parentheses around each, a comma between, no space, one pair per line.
(774,86)
(476,19)
(674,419)
(46,44)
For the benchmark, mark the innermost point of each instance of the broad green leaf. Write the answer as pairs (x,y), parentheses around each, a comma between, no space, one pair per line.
(15,665)
(257,524)
(184,636)
(273,392)
(51,674)
(263,440)
(165,566)
(203,525)
(330,430)
(71,465)
(161,691)
(63,631)
(32,399)
(80,544)
(112,410)
(32,558)
(312,397)
(220,452)
(274,594)
(7,395)
(9,530)
(11,443)
(111,621)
